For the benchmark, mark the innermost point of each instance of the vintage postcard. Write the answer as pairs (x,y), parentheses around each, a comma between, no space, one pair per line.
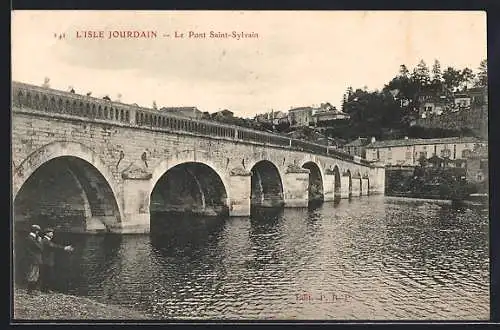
(250,165)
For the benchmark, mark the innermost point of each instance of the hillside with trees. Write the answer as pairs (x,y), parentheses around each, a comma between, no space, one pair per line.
(387,113)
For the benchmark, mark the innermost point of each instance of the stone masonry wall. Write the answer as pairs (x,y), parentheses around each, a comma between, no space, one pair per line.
(121,146)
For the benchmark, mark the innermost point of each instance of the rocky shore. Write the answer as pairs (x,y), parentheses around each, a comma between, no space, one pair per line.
(59,306)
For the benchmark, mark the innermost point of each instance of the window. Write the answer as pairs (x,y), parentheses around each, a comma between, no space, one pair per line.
(389,153)
(423,154)
(454,151)
(408,155)
(445,153)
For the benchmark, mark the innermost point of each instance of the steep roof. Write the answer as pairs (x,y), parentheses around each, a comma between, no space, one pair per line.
(412,142)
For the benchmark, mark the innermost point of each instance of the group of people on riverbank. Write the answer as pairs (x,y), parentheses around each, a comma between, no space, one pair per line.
(40,259)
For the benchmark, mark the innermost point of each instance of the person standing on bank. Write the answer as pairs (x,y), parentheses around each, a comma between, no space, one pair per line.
(33,258)
(48,259)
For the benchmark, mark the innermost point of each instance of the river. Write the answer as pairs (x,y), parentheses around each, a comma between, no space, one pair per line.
(371,258)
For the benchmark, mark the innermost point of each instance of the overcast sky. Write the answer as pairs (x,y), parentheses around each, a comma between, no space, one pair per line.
(299,59)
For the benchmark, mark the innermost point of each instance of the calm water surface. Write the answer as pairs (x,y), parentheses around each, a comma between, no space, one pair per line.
(370,258)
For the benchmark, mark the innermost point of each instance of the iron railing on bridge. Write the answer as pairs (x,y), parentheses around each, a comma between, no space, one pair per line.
(66,103)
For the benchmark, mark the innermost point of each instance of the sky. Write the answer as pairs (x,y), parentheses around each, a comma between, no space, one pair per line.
(300,58)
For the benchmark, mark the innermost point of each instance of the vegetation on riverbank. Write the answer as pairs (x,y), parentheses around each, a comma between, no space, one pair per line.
(59,306)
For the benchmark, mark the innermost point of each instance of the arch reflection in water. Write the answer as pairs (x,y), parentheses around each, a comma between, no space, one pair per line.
(336,185)
(392,258)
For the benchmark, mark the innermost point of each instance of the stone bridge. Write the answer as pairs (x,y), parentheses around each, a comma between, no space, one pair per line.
(85,164)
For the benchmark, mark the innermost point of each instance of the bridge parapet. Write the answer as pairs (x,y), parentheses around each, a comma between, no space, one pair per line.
(57,103)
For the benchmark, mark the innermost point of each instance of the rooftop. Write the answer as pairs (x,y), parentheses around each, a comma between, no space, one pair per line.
(330,112)
(301,109)
(179,109)
(475,90)
(411,142)
(359,142)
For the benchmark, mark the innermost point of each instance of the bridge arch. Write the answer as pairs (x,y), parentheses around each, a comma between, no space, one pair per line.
(65,184)
(316,179)
(188,186)
(266,185)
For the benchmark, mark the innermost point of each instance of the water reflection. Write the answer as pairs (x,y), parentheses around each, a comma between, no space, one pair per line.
(391,259)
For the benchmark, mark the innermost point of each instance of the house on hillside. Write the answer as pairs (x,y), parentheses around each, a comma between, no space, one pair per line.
(299,117)
(357,147)
(478,96)
(223,114)
(327,114)
(273,117)
(462,101)
(434,101)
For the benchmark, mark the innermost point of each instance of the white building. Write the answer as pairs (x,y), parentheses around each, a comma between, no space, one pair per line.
(407,152)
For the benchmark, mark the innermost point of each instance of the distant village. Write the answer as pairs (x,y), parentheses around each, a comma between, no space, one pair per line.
(414,121)
(312,123)
(465,109)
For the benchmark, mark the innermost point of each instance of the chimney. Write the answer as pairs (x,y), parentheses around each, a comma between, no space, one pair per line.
(373,139)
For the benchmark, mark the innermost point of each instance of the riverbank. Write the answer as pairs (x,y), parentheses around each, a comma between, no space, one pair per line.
(59,306)
(415,199)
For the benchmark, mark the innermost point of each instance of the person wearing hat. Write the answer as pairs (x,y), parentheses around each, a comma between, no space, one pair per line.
(33,257)
(48,259)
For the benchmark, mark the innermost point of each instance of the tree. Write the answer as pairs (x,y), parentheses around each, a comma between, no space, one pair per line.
(482,75)
(436,72)
(452,77)
(467,77)
(403,71)
(420,74)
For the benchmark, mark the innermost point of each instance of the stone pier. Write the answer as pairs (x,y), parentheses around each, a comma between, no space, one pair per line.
(240,187)
(296,192)
(356,186)
(344,187)
(364,186)
(329,187)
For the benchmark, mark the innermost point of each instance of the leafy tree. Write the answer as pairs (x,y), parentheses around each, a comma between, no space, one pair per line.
(452,77)
(420,74)
(467,77)
(482,75)
(437,75)
(403,71)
